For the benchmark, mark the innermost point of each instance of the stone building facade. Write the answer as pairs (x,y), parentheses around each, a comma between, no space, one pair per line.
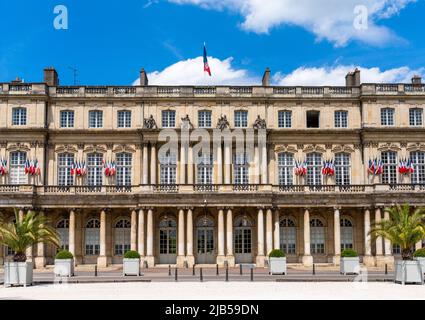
(228,208)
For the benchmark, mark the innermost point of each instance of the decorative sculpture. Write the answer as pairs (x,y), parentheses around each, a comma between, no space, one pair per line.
(149,123)
(186,124)
(222,123)
(260,123)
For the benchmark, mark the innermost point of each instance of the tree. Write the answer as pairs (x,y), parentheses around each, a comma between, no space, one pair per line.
(25,232)
(403,228)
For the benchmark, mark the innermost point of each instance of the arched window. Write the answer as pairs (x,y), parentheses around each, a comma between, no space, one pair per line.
(288,235)
(314,169)
(317,235)
(17,168)
(122,237)
(204,168)
(285,168)
(92,237)
(168,168)
(65,162)
(342,169)
(346,234)
(94,169)
(123,169)
(240,169)
(418,161)
(389,164)
(62,227)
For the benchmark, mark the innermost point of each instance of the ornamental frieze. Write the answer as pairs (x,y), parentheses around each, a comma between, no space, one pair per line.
(314,148)
(123,148)
(343,148)
(18,147)
(416,146)
(95,148)
(389,146)
(66,148)
(285,148)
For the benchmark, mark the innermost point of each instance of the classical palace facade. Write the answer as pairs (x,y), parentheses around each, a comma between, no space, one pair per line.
(88,158)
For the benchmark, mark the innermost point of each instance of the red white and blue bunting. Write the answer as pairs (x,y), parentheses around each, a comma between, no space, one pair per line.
(79,169)
(300,168)
(3,167)
(32,167)
(405,167)
(110,168)
(328,168)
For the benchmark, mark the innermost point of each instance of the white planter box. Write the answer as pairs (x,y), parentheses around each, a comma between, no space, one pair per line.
(422,262)
(277,265)
(408,271)
(18,273)
(349,265)
(64,267)
(131,267)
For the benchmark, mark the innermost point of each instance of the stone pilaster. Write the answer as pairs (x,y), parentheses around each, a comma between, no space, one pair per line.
(307,258)
(133,230)
(150,258)
(260,238)
(103,260)
(337,237)
(276,231)
(368,259)
(220,255)
(40,259)
(190,258)
(230,258)
(181,258)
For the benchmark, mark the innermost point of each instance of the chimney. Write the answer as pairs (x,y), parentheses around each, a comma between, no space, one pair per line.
(266,78)
(416,79)
(356,78)
(143,78)
(352,79)
(51,76)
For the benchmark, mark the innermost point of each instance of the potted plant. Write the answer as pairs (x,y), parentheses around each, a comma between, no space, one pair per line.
(131,263)
(277,262)
(419,255)
(22,233)
(350,262)
(64,264)
(404,229)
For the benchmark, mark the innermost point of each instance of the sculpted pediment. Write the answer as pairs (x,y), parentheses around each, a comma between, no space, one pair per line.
(95,148)
(66,148)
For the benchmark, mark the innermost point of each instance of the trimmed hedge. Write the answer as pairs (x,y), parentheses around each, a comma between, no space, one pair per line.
(277,253)
(420,253)
(349,253)
(64,254)
(131,255)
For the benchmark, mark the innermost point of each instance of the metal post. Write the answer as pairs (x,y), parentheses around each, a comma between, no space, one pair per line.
(95,270)
(314,269)
(227,273)
(169,270)
(193,270)
(175,275)
(386,269)
(252,274)
(201,278)
(216,269)
(240,269)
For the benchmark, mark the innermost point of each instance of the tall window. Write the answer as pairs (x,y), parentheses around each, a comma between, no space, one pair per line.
(313,119)
(314,169)
(288,236)
(65,161)
(346,234)
(92,237)
(94,169)
(95,119)
(204,119)
(415,117)
(168,168)
(205,168)
(17,168)
(284,119)
(286,168)
(124,119)
(241,119)
(418,161)
(387,116)
(67,119)
(342,169)
(240,169)
(389,163)
(62,227)
(19,116)
(123,169)
(341,119)
(317,234)
(168,119)
(122,237)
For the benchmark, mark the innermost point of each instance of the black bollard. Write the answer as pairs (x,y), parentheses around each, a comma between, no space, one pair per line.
(95,270)
(193,270)
(252,274)
(314,269)
(227,273)
(240,269)
(175,275)
(216,269)
(169,270)
(201,278)
(386,269)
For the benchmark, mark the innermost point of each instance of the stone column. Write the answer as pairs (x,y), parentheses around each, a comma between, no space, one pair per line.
(189,238)
(220,256)
(40,260)
(102,260)
(71,239)
(269,231)
(153,166)
(368,260)
(307,258)
(227,163)
(387,243)
(183,161)
(230,258)
(264,164)
(219,164)
(337,237)
(150,259)
(181,252)
(29,251)
(133,230)
(145,178)
(21,214)
(260,238)
(276,231)
(141,233)
(378,239)
(190,165)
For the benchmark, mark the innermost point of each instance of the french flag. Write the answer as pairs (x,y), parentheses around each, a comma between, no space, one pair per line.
(206,66)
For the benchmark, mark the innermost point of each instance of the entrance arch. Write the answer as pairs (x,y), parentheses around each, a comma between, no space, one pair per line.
(167,240)
(205,244)
(243,240)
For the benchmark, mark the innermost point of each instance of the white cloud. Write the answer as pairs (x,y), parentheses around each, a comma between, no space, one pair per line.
(332,20)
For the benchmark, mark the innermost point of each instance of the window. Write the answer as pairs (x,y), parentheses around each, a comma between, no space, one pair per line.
(168,236)
(124,119)
(204,119)
(314,169)
(65,162)
(122,237)
(317,234)
(387,117)
(288,236)
(19,116)
(241,119)
(240,169)
(123,169)
(284,119)
(95,119)
(92,237)
(418,161)
(313,119)
(389,163)
(242,235)
(67,119)
(205,168)
(168,167)
(342,169)
(17,168)
(396,249)
(62,227)
(341,119)
(415,116)
(285,168)
(94,169)
(346,234)
(168,119)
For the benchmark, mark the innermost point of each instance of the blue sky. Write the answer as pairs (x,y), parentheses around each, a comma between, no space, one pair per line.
(303,41)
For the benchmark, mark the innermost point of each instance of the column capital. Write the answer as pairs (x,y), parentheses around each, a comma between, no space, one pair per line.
(367,208)
(229,208)
(337,208)
(221,208)
(133,209)
(106,210)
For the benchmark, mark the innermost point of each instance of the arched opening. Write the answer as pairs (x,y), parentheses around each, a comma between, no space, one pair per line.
(122,237)
(288,236)
(62,227)
(92,237)
(205,243)
(317,236)
(347,232)
(167,240)
(243,240)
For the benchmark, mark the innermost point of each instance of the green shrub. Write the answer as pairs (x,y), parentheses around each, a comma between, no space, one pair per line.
(276,253)
(349,253)
(131,255)
(420,253)
(64,254)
